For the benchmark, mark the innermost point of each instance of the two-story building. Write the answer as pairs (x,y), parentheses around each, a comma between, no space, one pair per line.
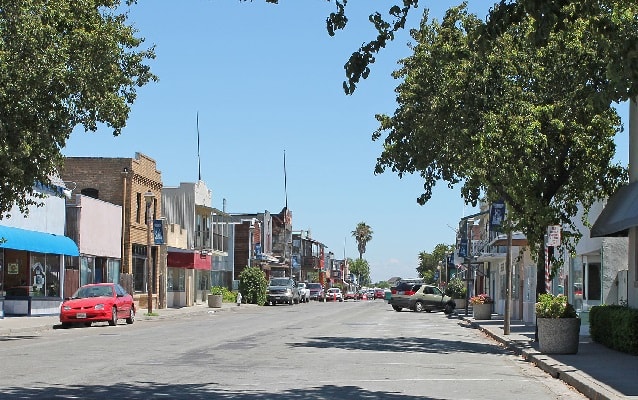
(134,184)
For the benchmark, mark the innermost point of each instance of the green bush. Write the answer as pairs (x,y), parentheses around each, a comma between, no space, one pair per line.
(456,288)
(227,295)
(615,327)
(252,285)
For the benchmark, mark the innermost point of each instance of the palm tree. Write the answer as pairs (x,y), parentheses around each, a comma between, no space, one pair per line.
(362,234)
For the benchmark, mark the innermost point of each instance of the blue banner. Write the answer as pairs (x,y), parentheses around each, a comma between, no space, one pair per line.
(158,231)
(497,214)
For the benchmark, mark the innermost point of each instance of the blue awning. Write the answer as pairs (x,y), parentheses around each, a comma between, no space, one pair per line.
(48,243)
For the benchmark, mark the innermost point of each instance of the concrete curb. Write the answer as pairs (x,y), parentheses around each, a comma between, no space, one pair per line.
(580,381)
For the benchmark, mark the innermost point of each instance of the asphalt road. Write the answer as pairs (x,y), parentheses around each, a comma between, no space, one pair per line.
(350,350)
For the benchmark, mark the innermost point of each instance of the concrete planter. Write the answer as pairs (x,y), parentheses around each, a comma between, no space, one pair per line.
(460,303)
(482,311)
(215,300)
(558,335)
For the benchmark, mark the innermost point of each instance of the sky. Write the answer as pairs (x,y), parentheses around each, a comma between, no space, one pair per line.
(265,80)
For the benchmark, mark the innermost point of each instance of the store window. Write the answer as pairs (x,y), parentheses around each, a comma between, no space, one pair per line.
(176,280)
(45,275)
(87,266)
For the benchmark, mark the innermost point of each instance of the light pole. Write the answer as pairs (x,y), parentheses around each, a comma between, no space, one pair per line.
(439,269)
(149,197)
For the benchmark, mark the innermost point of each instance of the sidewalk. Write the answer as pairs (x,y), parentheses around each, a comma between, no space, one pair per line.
(596,371)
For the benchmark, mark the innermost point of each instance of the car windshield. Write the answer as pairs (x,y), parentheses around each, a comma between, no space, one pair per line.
(93,291)
(314,286)
(279,282)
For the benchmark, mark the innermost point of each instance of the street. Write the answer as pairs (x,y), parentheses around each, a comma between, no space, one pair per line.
(349,350)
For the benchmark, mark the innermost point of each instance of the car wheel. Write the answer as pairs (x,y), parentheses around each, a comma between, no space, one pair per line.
(418,306)
(131,317)
(87,324)
(66,325)
(396,308)
(113,320)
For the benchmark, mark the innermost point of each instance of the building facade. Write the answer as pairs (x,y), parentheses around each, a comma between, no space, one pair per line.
(34,253)
(135,184)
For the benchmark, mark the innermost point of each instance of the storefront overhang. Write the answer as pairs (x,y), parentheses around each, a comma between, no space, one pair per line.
(620,213)
(518,239)
(188,259)
(40,242)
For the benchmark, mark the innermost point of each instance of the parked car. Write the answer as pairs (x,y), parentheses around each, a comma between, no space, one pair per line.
(350,295)
(304,292)
(419,297)
(379,294)
(317,292)
(282,290)
(334,294)
(99,302)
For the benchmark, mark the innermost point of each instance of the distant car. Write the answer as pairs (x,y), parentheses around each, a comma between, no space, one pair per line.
(379,294)
(350,295)
(334,294)
(316,291)
(99,302)
(304,292)
(282,291)
(418,297)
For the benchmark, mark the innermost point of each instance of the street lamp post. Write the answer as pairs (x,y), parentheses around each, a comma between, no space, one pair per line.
(149,196)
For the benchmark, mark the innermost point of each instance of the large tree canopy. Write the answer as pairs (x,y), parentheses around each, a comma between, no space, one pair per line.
(63,64)
(511,118)
(614,25)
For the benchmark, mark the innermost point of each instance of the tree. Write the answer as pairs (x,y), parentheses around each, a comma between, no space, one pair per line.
(62,64)
(429,262)
(252,285)
(362,234)
(511,118)
(361,270)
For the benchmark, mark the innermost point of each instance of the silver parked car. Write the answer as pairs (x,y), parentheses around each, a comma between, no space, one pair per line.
(419,297)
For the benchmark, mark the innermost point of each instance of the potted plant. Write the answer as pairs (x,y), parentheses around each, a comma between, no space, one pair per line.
(215,297)
(558,325)
(481,306)
(456,289)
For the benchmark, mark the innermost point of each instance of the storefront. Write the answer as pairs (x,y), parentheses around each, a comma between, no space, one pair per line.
(32,271)
(188,277)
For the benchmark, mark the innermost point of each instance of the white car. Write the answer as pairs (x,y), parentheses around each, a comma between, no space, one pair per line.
(334,294)
(304,292)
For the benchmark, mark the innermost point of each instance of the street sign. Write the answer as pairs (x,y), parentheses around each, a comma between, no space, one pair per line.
(553,235)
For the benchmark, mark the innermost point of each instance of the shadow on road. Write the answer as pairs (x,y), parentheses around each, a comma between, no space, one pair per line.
(400,344)
(146,390)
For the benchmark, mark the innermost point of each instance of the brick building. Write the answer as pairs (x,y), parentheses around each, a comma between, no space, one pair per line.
(124,182)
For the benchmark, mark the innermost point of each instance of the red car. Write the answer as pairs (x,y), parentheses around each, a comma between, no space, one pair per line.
(379,294)
(99,302)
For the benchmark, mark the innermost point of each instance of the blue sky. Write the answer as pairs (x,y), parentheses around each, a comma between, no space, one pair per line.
(267,79)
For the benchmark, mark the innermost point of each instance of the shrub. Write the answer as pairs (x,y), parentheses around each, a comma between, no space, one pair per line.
(615,327)
(252,285)
(550,306)
(456,288)
(227,295)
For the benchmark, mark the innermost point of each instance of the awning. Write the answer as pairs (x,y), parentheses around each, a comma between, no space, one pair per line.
(40,242)
(620,213)
(518,239)
(188,259)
